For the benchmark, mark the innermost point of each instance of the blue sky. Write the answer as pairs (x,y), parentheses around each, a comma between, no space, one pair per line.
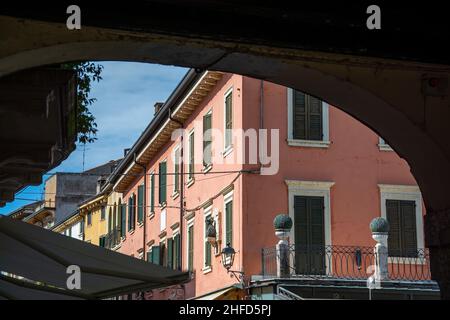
(124,107)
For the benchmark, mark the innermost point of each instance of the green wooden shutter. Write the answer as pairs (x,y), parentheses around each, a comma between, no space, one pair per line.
(152,193)
(162,182)
(207,139)
(229,223)
(299,115)
(394,237)
(314,118)
(149,256)
(177,252)
(140,204)
(130,210)
(191,248)
(162,254)
(409,231)
(123,213)
(207,247)
(170,253)
(156,255)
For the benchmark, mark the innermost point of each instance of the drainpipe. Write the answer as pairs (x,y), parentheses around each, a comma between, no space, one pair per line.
(181,187)
(144,210)
(261,117)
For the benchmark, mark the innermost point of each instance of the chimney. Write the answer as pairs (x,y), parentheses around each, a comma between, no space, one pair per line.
(158,107)
(100,182)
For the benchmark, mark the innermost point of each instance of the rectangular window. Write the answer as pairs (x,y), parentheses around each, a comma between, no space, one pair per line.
(103,213)
(163,220)
(102,241)
(162,183)
(123,219)
(207,139)
(152,193)
(229,222)
(176,167)
(228,119)
(177,252)
(89,218)
(402,240)
(82,226)
(207,246)
(190,250)
(307,117)
(130,214)
(170,253)
(191,156)
(156,255)
(140,203)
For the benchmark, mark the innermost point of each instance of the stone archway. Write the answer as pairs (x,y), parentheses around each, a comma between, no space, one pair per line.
(389,96)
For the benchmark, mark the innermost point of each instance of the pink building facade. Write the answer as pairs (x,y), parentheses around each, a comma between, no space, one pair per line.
(327,171)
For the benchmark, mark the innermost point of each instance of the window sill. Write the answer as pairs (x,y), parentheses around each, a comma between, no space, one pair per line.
(163,205)
(131,231)
(175,195)
(140,224)
(116,247)
(190,182)
(227,151)
(385,147)
(207,168)
(308,143)
(207,269)
(151,215)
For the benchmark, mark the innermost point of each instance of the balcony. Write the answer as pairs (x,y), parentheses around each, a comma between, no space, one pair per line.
(112,239)
(345,263)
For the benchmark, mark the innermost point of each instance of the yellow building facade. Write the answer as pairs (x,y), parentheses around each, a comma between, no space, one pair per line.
(93,212)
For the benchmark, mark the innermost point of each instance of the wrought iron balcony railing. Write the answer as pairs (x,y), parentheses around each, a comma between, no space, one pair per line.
(112,238)
(345,262)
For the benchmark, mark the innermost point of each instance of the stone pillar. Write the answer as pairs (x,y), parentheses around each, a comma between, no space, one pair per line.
(380,229)
(283,225)
(437,239)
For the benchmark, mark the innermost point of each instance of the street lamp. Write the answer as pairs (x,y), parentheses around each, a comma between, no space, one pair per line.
(228,254)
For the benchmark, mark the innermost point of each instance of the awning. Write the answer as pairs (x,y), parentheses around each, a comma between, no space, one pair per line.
(43,256)
(234,292)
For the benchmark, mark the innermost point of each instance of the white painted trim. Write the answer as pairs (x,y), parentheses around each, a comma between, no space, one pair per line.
(324,143)
(190,223)
(227,149)
(207,212)
(402,192)
(175,150)
(194,87)
(383,146)
(190,179)
(311,189)
(226,199)
(163,226)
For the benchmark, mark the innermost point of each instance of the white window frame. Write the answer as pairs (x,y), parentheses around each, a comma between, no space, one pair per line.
(207,212)
(190,179)
(408,193)
(175,192)
(383,146)
(227,149)
(190,223)
(207,168)
(227,198)
(311,189)
(151,197)
(324,143)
